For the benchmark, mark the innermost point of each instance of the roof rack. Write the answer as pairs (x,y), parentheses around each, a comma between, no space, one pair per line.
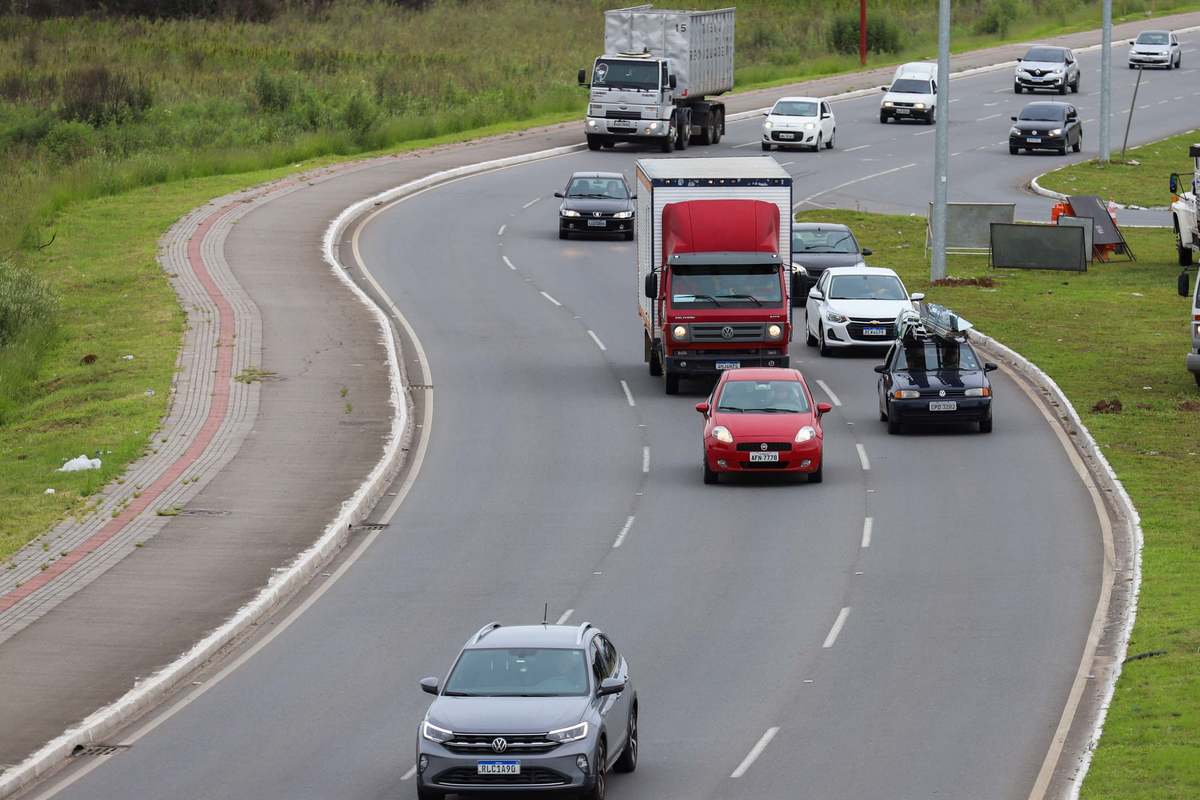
(484,631)
(932,321)
(583,629)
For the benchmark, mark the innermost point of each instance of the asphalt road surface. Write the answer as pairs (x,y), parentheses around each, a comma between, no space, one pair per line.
(907,629)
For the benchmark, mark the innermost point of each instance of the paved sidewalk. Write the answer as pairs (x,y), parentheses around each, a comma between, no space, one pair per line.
(257,469)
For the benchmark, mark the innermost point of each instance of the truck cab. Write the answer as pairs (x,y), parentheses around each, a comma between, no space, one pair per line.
(1186,221)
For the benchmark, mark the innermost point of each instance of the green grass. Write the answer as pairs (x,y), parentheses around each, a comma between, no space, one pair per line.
(1118,331)
(1141,179)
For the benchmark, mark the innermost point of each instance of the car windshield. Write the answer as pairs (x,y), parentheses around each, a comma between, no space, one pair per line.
(614,74)
(795,108)
(823,241)
(936,355)
(1050,55)
(1152,38)
(1047,113)
(763,397)
(603,188)
(708,287)
(519,672)
(866,287)
(911,86)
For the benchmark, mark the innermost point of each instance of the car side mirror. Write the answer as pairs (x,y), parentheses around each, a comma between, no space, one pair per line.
(1014,119)
(883,88)
(651,286)
(429,685)
(1020,59)
(558,194)
(1131,41)
(767,113)
(881,368)
(990,367)
(702,408)
(866,251)
(917,297)
(1181,284)
(671,82)
(826,116)
(633,196)
(823,408)
(1174,183)
(815,294)
(583,77)
(610,686)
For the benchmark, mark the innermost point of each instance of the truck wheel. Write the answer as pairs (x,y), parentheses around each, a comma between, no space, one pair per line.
(672,379)
(668,143)
(710,134)
(685,134)
(593,142)
(1185,253)
(719,128)
(655,361)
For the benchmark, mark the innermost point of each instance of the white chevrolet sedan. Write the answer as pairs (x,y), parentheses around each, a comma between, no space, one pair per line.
(799,122)
(855,307)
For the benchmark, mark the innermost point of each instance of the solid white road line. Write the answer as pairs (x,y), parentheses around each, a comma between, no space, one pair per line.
(989,116)
(531,202)
(551,299)
(862,456)
(628,394)
(566,615)
(868,524)
(509,263)
(825,388)
(745,144)
(596,339)
(837,627)
(501,231)
(646,458)
(852,149)
(411,771)
(624,532)
(755,752)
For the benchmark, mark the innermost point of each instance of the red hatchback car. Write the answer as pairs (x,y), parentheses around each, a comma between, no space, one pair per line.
(762,420)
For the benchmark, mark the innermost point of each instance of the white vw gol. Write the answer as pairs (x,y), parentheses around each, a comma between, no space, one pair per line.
(855,307)
(799,122)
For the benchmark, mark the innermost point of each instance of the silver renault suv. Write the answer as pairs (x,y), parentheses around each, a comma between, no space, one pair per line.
(526,708)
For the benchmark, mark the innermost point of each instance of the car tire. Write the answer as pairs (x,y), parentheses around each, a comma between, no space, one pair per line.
(820,143)
(893,426)
(672,382)
(985,425)
(1184,253)
(883,118)
(882,416)
(1016,88)
(832,136)
(629,756)
(429,794)
(1078,144)
(562,234)
(819,475)
(629,236)
(1075,87)
(711,476)
(1062,88)
(1131,65)
(1062,151)
(609,143)
(1012,151)
(811,340)
(823,348)
(599,790)
(766,147)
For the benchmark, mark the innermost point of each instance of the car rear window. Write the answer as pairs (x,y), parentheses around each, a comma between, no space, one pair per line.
(519,672)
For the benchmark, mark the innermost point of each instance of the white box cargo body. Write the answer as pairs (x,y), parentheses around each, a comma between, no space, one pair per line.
(698,44)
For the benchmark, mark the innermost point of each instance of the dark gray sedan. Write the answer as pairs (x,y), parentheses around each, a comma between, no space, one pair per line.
(596,202)
(816,246)
(1046,126)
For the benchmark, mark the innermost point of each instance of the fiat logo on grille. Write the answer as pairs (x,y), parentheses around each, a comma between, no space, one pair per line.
(499,744)
(762,446)
(727,332)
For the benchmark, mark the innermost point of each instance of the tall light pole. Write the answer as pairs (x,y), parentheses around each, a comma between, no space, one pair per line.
(862,32)
(1106,82)
(941,147)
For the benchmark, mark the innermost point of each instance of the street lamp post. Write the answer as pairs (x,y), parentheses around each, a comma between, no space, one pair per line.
(941,162)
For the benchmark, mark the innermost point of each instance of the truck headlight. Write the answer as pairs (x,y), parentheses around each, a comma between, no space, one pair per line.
(833,316)
(435,734)
(566,212)
(722,434)
(680,332)
(571,734)
(979,392)
(774,331)
(807,433)
(591,123)
(623,215)
(905,394)
(653,126)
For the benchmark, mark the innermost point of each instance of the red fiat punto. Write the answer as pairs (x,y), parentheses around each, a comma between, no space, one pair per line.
(762,420)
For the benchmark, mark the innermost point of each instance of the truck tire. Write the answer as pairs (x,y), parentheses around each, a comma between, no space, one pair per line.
(684,137)
(1185,252)
(594,142)
(653,359)
(668,143)
(672,381)
(719,127)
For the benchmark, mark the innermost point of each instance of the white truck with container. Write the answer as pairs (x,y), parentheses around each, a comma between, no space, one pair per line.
(655,80)
(1185,218)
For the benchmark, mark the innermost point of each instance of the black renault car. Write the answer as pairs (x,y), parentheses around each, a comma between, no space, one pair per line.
(1046,125)
(816,246)
(596,202)
(934,380)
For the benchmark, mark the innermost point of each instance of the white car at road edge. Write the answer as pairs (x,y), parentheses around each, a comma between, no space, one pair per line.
(799,122)
(855,307)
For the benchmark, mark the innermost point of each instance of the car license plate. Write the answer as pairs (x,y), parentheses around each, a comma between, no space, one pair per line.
(723,365)
(499,768)
(902,111)
(874,331)
(787,136)
(1034,139)
(764,457)
(597,223)
(943,405)
(620,123)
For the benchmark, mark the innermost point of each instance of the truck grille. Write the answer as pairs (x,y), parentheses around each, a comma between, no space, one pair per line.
(482,743)
(781,447)
(530,776)
(733,332)
(611,114)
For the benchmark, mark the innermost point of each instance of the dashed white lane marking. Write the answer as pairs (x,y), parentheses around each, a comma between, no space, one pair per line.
(812,197)
(508,263)
(566,615)
(837,628)
(989,105)
(755,752)
(646,459)
(628,394)
(1089,120)
(596,339)
(1180,97)
(1142,108)
(952,155)
(531,202)
(411,771)
(624,532)
(989,116)
(926,133)
(868,524)
(862,456)
(745,144)
(551,299)
(787,163)
(1163,102)
(1124,110)
(501,231)
(825,388)
(852,149)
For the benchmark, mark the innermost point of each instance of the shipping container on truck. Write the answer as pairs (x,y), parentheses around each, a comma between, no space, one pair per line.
(714,254)
(656,76)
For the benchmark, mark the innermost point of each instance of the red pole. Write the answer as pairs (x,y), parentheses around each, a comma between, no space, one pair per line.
(862,32)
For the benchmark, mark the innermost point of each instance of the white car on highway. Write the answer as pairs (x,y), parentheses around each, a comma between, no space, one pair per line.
(799,122)
(912,95)
(855,307)
(1155,49)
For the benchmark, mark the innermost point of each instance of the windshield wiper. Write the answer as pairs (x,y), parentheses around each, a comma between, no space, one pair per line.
(707,297)
(730,408)
(743,297)
(451,693)
(773,410)
(594,196)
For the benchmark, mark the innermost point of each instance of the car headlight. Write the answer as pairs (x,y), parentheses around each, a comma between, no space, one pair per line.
(774,331)
(623,215)
(888,104)
(680,332)
(1056,132)
(905,394)
(833,316)
(1014,131)
(571,734)
(918,106)
(435,734)
(722,434)
(808,126)
(805,434)
(566,212)
(768,125)
(980,392)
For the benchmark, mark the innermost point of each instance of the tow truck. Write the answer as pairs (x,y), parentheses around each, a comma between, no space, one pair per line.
(1185,217)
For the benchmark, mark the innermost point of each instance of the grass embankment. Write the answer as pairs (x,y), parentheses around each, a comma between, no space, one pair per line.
(1118,332)
(1140,179)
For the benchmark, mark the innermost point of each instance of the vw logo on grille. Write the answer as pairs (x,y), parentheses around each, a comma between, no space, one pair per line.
(941,392)
(762,446)
(597,213)
(499,744)
(727,332)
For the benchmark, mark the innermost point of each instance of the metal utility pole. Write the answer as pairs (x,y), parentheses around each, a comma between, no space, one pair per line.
(862,32)
(1132,106)
(941,147)
(1106,83)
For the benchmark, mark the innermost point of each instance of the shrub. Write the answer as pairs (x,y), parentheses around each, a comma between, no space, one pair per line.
(68,142)
(273,93)
(882,35)
(26,301)
(997,17)
(359,115)
(97,95)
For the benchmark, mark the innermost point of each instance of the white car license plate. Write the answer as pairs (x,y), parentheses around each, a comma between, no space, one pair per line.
(943,405)
(723,365)
(902,111)
(1034,140)
(772,456)
(787,136)
(620,123)
(597,223)
(874,331)
(499,768)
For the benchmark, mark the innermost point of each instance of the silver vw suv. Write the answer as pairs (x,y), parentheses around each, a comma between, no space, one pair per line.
(529,707)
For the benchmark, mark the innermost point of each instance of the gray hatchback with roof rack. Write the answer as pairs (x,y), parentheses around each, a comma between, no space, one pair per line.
(529,708)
